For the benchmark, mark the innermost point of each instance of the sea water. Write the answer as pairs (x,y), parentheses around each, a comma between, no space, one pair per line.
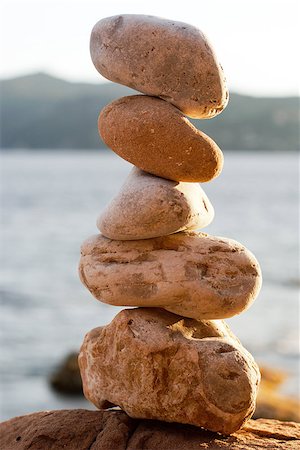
(50,202)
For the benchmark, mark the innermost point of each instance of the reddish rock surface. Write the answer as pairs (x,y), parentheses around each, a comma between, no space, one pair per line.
(114,430)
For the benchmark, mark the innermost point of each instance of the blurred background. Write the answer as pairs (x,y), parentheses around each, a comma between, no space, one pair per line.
(57,176)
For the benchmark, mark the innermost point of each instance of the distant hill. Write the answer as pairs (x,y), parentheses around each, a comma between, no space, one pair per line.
(39,111)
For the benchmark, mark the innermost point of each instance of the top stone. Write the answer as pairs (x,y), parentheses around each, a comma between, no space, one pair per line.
(163,58)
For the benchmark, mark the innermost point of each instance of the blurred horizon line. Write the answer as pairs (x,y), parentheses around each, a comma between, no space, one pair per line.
(103,80)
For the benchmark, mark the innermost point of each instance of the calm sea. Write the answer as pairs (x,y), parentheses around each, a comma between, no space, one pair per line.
(50,204)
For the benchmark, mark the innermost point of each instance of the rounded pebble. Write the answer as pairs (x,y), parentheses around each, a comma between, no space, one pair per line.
(161,57)
(148,206)
(157,138)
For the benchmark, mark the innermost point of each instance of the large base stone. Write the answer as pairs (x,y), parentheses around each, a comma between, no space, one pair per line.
(156,365)
(80,429)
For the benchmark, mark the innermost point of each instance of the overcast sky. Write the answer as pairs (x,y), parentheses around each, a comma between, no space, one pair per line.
(256,40)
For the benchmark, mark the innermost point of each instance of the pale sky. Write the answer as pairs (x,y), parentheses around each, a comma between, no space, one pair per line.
(256,40)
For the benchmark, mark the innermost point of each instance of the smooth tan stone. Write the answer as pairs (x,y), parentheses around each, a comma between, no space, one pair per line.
(157,365)
(161,57)
(156,137)
(148,206)
(188,273)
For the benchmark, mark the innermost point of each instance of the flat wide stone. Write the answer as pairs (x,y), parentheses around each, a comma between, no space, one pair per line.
(76,429)
(189,273)
(148,206)
(163,58)
(157,365)
(114,430)
(156,137)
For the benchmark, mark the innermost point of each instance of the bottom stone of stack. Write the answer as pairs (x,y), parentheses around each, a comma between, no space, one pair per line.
(157,365)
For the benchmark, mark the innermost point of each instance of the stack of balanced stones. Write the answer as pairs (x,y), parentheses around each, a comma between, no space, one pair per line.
(172,358)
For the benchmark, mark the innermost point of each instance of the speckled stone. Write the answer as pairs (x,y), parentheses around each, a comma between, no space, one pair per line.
(163,58)
(148,206)
(156,137)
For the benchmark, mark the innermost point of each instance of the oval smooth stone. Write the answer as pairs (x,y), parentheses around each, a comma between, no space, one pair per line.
(148,206)
(163,58)
(157,365)
(189,273)
(156,137)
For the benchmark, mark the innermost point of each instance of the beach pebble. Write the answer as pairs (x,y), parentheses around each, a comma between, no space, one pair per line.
(163,58)
(148,206)
(156,137)
(188,273)
(157,365)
